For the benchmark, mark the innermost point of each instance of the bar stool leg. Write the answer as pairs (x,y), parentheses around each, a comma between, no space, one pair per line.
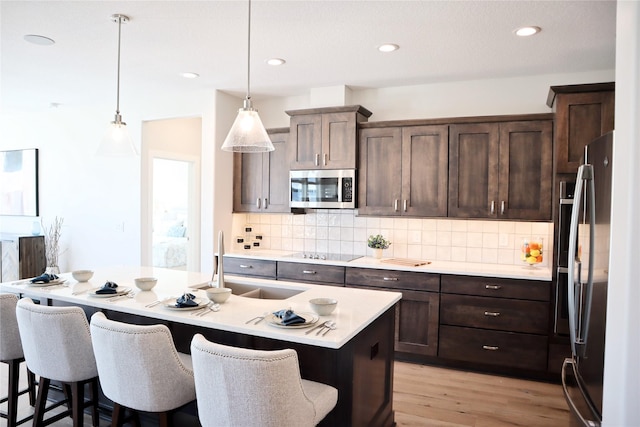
(77,400)
(41,401)
(95,420)
(12,397)
(31,386)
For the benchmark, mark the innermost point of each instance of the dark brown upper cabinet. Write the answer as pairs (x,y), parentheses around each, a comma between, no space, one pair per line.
(403,171)
(501,170)
(583,113)
(325,138)
(261,180)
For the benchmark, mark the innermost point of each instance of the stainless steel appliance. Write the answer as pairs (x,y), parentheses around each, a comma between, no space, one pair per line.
(588,256)
(330,189)
(561,313)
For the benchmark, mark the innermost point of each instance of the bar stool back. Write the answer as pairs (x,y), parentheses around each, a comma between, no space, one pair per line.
(57,346)
(11,353)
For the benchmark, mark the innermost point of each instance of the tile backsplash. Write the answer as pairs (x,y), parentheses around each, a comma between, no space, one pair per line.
(343,232)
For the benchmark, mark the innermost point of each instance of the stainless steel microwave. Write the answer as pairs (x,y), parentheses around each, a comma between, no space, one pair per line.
(329,189)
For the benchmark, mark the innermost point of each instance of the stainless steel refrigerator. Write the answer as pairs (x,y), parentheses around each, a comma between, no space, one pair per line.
(588,270)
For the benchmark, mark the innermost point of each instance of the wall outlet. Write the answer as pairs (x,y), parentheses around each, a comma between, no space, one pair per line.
(503,240)
(119,227)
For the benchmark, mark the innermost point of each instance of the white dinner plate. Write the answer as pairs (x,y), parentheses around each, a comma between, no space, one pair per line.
(171,305)
(49,283)
(309,318)
(120,290)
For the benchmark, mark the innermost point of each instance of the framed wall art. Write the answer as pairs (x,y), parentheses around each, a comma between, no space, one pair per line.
(19,182)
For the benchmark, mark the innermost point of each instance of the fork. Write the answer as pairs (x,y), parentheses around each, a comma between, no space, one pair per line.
(127,294)
(213,307)
(201,309)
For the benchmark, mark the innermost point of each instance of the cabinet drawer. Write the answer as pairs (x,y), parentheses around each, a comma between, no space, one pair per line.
(493,347)
(492,287)
(393,279)
(250,267)
(495,313)
(331,274)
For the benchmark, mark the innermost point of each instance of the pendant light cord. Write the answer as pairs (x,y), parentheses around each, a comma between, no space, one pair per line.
(118,78)
(249,52)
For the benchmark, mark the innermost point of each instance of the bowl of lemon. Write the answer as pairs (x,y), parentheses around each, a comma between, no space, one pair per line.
(532,251)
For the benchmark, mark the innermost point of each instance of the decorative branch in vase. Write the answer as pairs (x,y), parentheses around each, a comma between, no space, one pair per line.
(52,245)
(378,243)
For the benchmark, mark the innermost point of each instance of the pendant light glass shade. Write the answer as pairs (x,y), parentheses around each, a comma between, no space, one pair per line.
(117,142)
(247,134)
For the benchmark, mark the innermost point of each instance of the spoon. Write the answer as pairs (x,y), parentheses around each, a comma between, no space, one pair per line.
(322,325)
(326,324)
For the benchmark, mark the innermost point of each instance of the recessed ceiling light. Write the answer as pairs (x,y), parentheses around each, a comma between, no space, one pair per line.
(275,61)
(41,40)
(189,75)
(388,47)
(527,31)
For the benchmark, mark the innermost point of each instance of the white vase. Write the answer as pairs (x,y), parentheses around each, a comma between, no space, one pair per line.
(377,252)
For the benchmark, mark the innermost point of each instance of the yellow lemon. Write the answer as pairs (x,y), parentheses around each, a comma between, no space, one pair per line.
(534,253)
(532,260)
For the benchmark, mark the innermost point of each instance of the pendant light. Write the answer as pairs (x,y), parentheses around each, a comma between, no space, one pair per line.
(247,134)
(117,142)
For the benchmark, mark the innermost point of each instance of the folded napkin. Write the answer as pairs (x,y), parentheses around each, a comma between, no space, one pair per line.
(44,278)
(186,300)
(289,317)
(108,288)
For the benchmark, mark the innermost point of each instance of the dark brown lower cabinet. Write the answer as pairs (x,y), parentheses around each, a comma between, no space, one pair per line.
(501,348)
(417,313)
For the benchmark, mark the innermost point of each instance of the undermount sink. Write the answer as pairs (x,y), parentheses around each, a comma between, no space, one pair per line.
(261,292)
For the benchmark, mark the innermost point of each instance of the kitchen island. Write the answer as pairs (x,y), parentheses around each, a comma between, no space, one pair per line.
(356,357)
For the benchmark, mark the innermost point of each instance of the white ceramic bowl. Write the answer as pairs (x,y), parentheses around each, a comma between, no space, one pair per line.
(323,306)
(145,283)
(218,295)
(82,275)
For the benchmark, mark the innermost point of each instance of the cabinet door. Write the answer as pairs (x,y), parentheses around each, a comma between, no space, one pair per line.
(306,138)
(379,176)
(248,181)
(526,156)
(425,168)
(473,170)
(580,118)
(338,141)
(275,191)
(417,323)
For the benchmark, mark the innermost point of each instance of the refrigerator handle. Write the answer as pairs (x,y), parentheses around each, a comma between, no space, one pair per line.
(584,331)
(572,282)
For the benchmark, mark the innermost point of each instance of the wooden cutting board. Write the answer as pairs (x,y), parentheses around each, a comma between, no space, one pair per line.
(405,261)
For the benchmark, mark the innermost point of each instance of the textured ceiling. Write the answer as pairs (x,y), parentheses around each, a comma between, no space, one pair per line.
(325,43)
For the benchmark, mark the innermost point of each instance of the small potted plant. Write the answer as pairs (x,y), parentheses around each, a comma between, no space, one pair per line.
(378,243)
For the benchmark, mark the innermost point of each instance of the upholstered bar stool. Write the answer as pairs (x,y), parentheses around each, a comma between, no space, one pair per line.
(11,354)
(140,369)
(244,387)
(57,347)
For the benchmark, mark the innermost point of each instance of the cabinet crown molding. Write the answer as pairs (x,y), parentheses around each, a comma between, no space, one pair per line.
(340,109)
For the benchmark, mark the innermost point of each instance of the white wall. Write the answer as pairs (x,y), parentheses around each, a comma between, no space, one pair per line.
(622,361)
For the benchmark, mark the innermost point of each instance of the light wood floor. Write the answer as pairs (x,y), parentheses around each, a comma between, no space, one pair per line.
(430,396)
(434,397)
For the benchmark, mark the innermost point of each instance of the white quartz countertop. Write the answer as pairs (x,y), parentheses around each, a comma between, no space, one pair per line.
(523,271)
(356,308)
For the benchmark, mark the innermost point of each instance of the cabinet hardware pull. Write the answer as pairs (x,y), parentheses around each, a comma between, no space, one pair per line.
(494,287)
(502,208)
(245,266)
(404,204)
(265,203)
(308,272)
(395,205)
(390,279)
(490,347)
(493,207)
(258,203)
(492,313)
(317,159)
(325,159)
